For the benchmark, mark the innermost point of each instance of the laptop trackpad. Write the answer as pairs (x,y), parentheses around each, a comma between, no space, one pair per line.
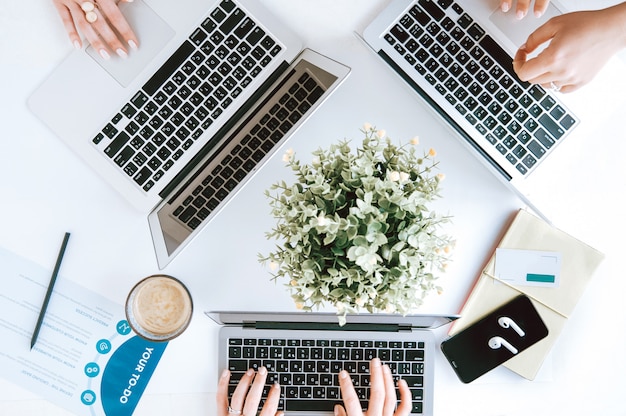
(518,30)
(153,34)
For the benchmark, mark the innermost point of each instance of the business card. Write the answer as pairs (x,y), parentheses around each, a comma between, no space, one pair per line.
(528,267)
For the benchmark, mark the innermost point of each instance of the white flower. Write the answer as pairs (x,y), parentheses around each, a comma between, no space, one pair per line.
(381,133)
(273,266)
(415,140)
(288,155)
(322,221)
(367,126)
(404,176)
(394,176)
(441,176)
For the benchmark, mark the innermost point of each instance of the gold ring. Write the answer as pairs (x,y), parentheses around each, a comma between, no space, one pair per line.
(90,11)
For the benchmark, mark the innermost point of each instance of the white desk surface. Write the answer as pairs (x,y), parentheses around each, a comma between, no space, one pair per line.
(47,190)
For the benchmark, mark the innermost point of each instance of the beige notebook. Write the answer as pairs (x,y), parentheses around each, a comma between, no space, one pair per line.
(554,304)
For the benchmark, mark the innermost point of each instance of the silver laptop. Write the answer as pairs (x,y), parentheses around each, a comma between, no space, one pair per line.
(304,352)
(457,54)
(182,124)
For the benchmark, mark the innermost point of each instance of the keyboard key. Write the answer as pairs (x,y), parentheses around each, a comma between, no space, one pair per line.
(399,33)
(567,122)
(536,149)
(232,21)
(431,8)
(115,146)
(465,20)
(169,67)
(544,138)
(551,126)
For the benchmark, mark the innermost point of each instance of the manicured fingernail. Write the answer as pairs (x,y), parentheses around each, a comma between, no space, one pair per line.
(538,14)
(77,44)
(132,44)
(262,370)
(121,53)
(336,410)
(250,372)
(343,374)
(224,373)
(376,362)
(520,15)
(386,369)
(104,54)
(505,7)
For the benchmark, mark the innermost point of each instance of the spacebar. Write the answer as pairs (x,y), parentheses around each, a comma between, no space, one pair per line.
(500,56)
(168,68)
(310,404)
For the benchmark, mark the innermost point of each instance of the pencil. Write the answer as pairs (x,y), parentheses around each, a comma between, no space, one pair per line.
(46,299)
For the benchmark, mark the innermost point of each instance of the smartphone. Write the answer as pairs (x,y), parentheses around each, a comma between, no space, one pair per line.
(494,339)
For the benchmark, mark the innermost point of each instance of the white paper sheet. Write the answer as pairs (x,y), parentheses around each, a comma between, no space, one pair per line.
(86,358)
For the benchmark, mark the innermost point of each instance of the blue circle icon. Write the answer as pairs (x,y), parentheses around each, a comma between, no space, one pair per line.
(92,370)
(123,328)
(88,397)
(103,346)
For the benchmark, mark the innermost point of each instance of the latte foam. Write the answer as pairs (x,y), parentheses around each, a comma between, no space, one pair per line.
(161,307)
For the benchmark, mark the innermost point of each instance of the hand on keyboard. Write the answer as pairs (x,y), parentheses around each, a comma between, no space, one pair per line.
(251,388)
(101,22)
(580,44)
(247,395)
(521,9)
(382,394)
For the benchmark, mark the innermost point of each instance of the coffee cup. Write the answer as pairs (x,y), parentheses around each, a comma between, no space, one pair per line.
(159,308)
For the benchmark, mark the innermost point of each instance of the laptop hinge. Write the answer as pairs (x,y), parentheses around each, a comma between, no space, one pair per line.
(221,133)
(324,326)
(442,113)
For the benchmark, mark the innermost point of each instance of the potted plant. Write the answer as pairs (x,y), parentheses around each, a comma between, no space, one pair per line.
(355,230)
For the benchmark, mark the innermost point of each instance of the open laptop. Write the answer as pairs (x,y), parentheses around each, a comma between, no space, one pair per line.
(179,127)
(304,352)
(458,54)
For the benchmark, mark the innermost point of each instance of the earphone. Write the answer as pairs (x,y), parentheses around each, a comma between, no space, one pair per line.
(497,342)
(506,322)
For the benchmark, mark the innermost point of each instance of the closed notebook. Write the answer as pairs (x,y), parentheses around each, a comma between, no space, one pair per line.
(555,304)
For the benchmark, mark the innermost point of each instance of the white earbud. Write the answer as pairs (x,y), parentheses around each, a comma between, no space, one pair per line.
(497,342)
(506,322)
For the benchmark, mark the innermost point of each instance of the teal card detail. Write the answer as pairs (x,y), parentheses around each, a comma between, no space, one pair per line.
(543,278)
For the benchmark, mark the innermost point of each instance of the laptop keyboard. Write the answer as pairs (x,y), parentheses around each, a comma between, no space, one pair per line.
(261,138)
(307,370)
(451,52)
(201,79)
